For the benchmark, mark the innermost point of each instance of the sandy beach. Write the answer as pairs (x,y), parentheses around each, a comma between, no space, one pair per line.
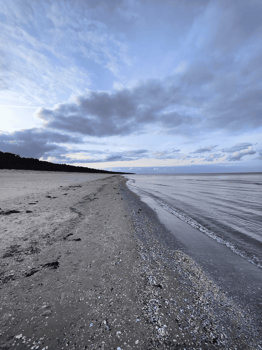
(84,265)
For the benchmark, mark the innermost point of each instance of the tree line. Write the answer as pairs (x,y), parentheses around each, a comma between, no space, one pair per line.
(14,161)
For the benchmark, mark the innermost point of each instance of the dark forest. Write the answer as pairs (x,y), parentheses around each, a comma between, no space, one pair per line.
(14,161)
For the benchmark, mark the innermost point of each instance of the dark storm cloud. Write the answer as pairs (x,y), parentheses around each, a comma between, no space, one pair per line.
(35,143)
(204,149)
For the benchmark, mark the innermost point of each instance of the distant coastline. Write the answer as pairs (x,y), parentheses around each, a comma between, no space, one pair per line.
(14,161)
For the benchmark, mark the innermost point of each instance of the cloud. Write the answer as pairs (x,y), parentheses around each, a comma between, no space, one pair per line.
(216,85)
(213,156)
(120,113)
(197,74)
(36,143)
(239,150)
(49,145)
(54,146)
(205,149)
(225,41)
(237,147)
(175,68)
(47,54)
(167,154)
(186,157)
(180,104)
(218,19)
(95,156)
(240,154)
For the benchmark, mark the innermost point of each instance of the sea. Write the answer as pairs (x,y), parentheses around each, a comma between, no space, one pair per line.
(225,207)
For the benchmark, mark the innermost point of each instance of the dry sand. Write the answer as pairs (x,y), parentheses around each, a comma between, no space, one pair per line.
(16,183)
(83,266)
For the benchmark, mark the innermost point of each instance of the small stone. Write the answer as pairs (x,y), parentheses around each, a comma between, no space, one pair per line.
(18,336)
(137,341)
(46,313)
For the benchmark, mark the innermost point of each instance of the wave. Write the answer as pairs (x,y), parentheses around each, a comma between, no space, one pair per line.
(186,218)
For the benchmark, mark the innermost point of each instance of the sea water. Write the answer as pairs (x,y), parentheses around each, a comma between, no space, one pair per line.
(225,207)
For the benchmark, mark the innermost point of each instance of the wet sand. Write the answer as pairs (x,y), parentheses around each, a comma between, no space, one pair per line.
(83,266)
(240,279)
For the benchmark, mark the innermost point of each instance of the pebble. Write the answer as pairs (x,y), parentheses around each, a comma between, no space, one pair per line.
(47,313)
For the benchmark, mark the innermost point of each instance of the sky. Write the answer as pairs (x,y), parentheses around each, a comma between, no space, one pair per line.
(147,86)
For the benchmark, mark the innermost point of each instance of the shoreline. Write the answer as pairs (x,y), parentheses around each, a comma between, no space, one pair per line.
(238,278)
(209,304)
(92,272)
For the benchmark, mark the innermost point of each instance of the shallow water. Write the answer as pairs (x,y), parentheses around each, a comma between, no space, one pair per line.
(225,207)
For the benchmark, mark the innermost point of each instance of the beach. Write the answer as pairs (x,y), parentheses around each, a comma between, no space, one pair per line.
(84,265)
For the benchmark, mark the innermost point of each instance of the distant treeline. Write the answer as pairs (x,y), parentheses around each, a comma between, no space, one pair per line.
(14,161)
